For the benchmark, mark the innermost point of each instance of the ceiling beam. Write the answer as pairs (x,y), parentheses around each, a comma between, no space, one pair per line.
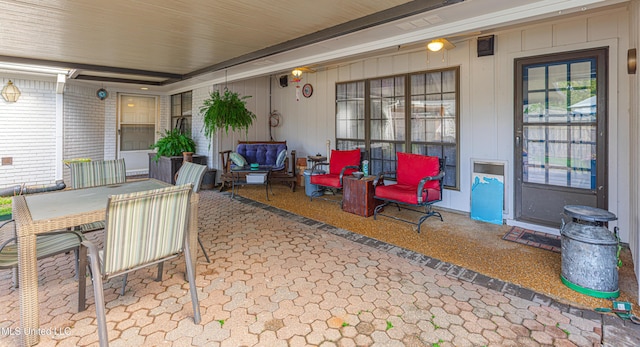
(120,80)
(88,67)
(386,16)
(395,13)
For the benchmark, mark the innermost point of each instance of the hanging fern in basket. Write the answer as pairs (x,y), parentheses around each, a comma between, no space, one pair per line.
(226,111)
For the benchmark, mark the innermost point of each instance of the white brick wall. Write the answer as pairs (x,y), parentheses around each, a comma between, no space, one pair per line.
(84,125)
(27,134)
(197,132)
(27,129)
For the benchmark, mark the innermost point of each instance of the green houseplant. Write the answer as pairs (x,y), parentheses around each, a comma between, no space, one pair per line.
(226,111)
(172,143)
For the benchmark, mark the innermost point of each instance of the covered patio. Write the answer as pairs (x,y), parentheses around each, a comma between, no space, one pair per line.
(544,92)
(277,278)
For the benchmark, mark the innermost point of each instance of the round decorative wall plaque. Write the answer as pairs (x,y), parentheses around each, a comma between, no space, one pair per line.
(102,94)
(307,90)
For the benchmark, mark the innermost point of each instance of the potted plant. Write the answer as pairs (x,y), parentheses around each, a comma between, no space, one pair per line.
(172,149)
(226,111)
(173,142)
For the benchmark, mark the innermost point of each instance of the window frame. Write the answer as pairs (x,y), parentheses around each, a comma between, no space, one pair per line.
(451,164)
(184,107)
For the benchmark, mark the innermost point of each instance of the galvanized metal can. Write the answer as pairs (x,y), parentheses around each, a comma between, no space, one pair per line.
(589,252)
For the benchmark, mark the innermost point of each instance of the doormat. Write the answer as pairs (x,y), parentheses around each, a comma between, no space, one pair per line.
(534,238)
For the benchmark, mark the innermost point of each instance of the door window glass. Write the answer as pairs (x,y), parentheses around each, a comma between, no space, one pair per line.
(137,122)
(559,123)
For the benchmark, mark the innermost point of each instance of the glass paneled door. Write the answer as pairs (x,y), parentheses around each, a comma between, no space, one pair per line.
(560,134)
(136,131)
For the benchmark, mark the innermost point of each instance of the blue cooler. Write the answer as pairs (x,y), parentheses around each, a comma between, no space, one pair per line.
(311,189)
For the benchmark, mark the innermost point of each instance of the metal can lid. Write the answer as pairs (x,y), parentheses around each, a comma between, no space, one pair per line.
(591,234)
(589,214)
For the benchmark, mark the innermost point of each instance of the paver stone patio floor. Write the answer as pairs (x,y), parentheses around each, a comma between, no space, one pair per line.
(278,279)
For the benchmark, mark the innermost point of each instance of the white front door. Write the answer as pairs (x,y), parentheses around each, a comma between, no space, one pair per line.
(137,121)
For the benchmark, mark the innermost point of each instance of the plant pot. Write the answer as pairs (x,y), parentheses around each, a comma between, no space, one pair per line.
(166,167)
(187,157)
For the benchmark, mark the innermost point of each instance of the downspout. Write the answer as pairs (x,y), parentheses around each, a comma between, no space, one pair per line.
(59,138)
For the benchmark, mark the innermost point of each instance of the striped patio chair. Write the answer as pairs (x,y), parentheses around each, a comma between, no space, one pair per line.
(188,173)
(93,174)
(97,173)
(47,245)
(142,229)
(193,173)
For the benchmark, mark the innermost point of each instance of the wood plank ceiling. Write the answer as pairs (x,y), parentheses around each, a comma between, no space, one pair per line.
(160,41)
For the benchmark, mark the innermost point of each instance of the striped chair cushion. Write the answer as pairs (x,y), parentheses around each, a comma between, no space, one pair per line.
(85,228)
(46,246)
(144,227)
(97,173)
(191,173)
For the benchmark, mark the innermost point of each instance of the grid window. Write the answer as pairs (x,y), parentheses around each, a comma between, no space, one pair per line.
(415,113)
(181,112)
(350,115)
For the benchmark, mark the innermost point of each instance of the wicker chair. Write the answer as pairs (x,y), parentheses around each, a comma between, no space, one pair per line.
(142,229)
(419,184)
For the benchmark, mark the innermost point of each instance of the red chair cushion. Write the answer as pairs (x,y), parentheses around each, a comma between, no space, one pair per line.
(405,193)
(327,180)
(340,159)
(414,167)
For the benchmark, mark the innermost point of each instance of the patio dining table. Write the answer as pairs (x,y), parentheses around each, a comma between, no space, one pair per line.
(41,213)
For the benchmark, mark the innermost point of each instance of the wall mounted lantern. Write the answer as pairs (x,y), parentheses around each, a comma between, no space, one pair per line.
(10,92)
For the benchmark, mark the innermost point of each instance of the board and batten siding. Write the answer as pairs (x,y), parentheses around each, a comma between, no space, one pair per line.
(486,98)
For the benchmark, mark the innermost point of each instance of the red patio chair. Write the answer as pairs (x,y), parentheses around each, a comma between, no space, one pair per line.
(419,183)
(340,164)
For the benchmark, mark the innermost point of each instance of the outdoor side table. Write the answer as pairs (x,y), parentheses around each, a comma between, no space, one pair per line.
(315,159)
(242,176)
(358,195)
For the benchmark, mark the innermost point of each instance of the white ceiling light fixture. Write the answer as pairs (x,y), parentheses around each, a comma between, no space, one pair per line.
(297,75)
(10,92)
(435,45)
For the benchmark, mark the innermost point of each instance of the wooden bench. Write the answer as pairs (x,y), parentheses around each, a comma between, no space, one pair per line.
(285,175)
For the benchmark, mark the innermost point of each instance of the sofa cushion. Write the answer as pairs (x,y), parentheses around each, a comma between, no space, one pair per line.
(326,180)
(237,159)
(340,159)
(414,167)
(282,156)
(261,153)
(406,194)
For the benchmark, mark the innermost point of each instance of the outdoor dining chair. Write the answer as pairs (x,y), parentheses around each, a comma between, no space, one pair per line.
(188,173)
(47,245)
(93,174)
(142,229)
(97,173)
(193,173)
